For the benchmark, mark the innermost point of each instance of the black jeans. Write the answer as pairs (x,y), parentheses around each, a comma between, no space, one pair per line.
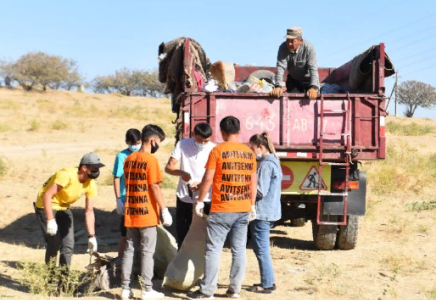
(64,238)
(295,86)
(184,213)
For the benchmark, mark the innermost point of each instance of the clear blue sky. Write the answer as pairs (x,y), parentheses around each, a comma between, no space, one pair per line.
(107,35)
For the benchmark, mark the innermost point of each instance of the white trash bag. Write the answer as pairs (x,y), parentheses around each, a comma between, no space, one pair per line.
(187,267)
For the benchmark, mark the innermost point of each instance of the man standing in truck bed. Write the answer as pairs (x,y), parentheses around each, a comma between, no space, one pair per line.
(299,58)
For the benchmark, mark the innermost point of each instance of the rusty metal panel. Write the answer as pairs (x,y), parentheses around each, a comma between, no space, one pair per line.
(255,116)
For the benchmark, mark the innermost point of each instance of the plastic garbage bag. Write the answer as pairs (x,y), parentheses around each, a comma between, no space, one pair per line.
(187,267)
(166,250)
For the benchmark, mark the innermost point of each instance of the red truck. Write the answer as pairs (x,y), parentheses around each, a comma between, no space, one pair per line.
(319,142)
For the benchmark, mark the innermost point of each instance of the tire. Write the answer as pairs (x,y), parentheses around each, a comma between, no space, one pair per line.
(324,236)
(300,222)
(347,235)
(264,74)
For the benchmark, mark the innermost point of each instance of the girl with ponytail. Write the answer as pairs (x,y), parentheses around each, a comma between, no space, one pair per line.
(268,208)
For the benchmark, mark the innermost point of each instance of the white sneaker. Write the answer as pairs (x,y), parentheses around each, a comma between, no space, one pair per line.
(126,294)
(151,294)
(230,294)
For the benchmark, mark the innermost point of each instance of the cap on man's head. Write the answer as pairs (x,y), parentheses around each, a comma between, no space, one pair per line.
(294,33)
(91,159)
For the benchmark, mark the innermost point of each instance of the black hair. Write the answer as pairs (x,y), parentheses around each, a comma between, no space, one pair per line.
(230,125)
(151,130)
(133,135)
(203,129)
(263,139)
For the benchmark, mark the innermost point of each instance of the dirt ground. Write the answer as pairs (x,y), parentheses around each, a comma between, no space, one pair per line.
(43,132)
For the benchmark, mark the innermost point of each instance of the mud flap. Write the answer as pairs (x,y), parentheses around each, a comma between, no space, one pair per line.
(356,201)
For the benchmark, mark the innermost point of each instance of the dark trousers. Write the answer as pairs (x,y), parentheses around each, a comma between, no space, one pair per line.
(64,238)
(184,213)
(296,86)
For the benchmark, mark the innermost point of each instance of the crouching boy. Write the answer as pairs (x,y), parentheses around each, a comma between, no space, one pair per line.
(142,205)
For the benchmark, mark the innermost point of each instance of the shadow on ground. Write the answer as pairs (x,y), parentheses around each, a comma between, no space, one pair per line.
(27,231)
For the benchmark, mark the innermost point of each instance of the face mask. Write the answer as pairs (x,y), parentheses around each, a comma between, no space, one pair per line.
(134,148)
(154,147)
(259,156)
(198,145)
(94,174)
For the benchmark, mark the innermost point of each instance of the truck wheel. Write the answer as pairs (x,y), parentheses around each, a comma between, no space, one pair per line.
(324,236)
(347,235)
(298,222)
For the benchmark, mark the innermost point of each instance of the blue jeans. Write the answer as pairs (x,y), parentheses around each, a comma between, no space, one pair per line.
(260,238)
(218,226)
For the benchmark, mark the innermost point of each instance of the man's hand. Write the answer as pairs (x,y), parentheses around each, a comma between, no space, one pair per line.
(92,244)
(277,92)
(186,177)
(252,214)
(199,209)
(52,227)
(120,207)
(312,93)
(167,219)
(194,186)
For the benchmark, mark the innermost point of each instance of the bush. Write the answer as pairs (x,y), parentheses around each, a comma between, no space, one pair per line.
(49,280)
(34,125)
(421,206)
(59,125)
(3,167)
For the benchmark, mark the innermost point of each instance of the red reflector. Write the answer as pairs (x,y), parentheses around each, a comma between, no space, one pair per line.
(340,185)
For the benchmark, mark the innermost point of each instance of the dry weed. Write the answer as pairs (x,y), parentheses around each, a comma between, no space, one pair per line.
(58,124)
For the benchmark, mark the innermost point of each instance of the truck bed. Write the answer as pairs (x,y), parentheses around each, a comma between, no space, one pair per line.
(293,121)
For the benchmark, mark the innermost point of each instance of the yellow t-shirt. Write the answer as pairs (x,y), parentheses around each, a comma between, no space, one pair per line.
(71,190)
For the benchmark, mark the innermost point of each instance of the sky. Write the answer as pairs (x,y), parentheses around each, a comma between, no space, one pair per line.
(104,36)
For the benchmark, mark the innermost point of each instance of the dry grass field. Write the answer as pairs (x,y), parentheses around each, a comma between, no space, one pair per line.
(396,253)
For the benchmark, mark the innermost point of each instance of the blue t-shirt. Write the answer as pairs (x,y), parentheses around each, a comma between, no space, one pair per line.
(119,170)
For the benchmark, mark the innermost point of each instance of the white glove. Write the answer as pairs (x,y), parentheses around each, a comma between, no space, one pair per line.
(92,244)
(52,227)
(166,217)
(252,214)
(199,209)
(120,207)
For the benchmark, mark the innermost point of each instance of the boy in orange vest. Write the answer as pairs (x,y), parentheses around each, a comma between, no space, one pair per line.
(142,205)
(231,169)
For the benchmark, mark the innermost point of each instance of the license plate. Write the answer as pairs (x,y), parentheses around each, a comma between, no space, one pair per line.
(303,177)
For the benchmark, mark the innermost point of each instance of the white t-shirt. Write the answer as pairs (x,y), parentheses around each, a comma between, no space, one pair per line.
(192,161)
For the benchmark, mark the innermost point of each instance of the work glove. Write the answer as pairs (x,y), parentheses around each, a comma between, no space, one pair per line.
(312,93)
(52,227)
(199,209)
(120,207)
(277,92)
(92,245)
(252,214)
(167,220)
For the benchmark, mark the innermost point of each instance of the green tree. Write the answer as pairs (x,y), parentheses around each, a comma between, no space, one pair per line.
(414,94)
(39,68)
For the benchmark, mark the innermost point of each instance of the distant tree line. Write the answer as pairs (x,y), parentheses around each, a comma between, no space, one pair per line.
(41,70)
(129,83)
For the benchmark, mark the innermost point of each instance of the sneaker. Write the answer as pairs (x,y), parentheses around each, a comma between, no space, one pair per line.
(232,294)
(198,295)
(126,294)
(151,294)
